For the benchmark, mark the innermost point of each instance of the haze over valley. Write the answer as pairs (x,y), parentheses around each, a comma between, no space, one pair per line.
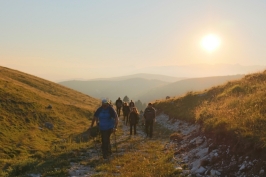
(144,87)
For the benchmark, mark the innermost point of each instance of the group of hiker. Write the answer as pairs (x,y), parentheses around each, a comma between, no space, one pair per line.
(106,118)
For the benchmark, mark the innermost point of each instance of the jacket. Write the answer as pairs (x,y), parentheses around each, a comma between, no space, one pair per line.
(133,118)
(149,113)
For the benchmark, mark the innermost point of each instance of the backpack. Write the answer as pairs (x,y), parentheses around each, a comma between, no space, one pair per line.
(119,103)
(94,131)
(149,113)
(108,121)
(132,104)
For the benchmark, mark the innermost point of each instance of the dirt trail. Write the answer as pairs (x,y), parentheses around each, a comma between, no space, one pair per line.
(195,154)
(79,170)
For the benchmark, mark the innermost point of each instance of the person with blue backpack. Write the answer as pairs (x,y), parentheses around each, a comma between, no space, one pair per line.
(107,120)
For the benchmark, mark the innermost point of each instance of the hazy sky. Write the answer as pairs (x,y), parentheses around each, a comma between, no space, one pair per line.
(62,39)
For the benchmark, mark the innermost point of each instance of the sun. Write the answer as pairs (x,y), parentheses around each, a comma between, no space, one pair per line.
(210,42)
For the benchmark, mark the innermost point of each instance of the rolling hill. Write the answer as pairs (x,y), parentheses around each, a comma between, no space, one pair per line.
(144,76)
(36,114)
(233,113)
(181,87)
(114,89)
(145,90)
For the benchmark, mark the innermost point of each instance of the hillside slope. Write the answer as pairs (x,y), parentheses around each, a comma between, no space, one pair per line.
(24,101)
(234,112)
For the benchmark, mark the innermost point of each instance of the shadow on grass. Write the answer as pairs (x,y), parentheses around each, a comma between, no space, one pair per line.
(54,162)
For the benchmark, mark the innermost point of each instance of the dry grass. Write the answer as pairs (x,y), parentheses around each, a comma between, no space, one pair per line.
(236,109)
(23,105)
(138,156)
(144,159)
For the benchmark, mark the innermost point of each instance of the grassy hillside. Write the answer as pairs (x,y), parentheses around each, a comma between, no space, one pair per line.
(235,111)
(24,101)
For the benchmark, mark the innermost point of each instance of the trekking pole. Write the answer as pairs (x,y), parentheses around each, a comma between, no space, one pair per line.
(94,137)
(95,145)
(115,143)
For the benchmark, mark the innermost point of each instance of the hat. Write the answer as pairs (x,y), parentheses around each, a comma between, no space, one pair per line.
(104,101)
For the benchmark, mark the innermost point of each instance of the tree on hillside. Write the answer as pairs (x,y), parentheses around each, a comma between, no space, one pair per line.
(144,105)
(138,104)
(126,99)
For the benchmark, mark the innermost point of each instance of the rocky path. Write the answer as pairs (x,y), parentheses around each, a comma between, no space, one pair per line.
(204,158)
(195,155)
(79,170)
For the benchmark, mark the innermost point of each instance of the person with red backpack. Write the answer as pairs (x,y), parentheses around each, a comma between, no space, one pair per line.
(118,104)
(149,116)
(107,119)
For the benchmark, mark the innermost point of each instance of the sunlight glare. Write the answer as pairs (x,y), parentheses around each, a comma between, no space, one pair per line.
(210,42)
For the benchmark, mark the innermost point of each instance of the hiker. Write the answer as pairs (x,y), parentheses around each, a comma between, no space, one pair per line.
(118,104)
(133,119)
(126,111)
(106,117)
(131,105)
(149,116)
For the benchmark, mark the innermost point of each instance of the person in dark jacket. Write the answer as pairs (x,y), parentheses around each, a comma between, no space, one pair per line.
(106,117)
(118,104)
(133,120)
(126,111)
(131,105)
(149,116)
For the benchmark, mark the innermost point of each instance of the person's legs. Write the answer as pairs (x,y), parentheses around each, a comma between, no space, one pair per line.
(151,129)
(147,127)
(109,142)
(124,115)
(126,119)
(106,146)
(135,131)
(119,110)
(131,129)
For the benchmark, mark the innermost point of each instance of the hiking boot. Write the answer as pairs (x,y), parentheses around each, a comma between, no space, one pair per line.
(109,153)
(105,156)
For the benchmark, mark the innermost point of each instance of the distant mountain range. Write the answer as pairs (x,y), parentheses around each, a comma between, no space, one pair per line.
(181,87)
(143,76)
(113,89)
(203,70)
(145,89)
